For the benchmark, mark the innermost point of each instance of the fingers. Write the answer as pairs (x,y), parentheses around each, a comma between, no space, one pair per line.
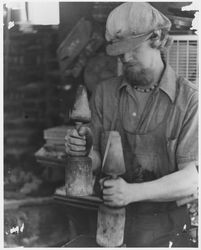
(86,133)
(78,142)
(76,153)
(110,204)
(75,145)
(111,201)
(109,182)
(107,185)
(75,150)
(82,130)
(108,196)
(75,141)
(112,194)
(101,182)
(74,133)
(107,189)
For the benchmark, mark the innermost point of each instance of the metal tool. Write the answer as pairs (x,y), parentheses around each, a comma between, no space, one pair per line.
(111,220)
(78,171)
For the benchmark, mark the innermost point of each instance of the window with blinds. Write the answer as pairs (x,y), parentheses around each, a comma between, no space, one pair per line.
(183,56)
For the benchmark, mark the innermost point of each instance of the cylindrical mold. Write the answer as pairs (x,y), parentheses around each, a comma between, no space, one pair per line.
(110,226)
(78,176)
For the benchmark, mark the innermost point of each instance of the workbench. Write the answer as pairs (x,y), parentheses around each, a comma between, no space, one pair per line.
(83,210)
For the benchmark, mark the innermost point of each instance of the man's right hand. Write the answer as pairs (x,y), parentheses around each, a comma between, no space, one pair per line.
(78,142)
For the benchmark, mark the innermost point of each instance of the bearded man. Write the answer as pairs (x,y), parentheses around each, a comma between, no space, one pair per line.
(156,113)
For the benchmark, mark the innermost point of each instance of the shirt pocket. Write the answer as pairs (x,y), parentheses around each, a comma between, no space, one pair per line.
(171,153)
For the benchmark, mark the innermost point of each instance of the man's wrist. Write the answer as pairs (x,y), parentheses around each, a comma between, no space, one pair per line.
(136,192)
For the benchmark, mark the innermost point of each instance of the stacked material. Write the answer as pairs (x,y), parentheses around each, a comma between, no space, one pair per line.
(54,148)
(55,136)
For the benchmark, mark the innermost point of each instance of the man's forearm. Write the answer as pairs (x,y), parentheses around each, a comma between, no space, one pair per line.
(168,188)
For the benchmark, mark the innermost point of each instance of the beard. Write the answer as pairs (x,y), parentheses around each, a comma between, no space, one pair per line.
(136,75)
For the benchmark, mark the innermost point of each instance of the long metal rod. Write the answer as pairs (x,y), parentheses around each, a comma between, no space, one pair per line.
(106,151)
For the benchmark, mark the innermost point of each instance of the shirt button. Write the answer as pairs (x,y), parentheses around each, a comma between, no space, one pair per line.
(134,114)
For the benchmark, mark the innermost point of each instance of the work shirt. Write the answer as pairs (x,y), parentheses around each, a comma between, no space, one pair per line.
(156,140)
(160,138)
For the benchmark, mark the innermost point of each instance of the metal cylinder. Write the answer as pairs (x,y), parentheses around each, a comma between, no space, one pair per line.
(110,226)
(78,176)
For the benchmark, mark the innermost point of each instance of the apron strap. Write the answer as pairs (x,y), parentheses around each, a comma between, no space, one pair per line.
(116,110)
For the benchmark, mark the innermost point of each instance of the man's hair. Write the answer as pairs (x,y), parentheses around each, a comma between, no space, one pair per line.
(161,41)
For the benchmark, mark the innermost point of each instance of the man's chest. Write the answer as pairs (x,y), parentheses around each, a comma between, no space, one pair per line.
(142,112)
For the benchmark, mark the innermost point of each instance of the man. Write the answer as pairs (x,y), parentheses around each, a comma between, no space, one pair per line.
(155,112)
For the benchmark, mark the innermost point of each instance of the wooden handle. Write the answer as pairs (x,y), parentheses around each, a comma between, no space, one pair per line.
(78,124)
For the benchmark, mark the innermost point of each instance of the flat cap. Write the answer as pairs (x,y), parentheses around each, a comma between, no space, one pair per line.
(131,23)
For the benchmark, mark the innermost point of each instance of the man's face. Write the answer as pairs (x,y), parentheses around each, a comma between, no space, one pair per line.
(137,65)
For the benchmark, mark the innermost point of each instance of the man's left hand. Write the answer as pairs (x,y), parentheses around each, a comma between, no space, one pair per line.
(115,192)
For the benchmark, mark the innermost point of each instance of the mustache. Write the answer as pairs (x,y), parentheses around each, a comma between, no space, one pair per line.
(130,65)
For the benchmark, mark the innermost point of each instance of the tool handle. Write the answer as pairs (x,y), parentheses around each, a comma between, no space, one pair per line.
(114,176)
(78,125)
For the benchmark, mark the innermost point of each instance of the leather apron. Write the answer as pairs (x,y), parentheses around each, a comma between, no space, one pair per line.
(150,224)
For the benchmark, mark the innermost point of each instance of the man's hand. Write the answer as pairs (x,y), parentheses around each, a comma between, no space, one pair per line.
(78,142)
(115,192)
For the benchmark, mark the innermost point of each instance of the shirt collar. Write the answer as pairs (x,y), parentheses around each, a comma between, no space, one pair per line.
(167,82)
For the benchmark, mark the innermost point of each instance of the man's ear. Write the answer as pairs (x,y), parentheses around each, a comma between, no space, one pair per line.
(156,35)
(156,38)
(160,39)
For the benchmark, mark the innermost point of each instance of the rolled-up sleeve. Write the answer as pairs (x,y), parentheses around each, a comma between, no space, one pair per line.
(187,146)
(96,105)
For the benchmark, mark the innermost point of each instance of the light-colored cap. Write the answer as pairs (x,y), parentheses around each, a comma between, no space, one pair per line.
(130,24)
